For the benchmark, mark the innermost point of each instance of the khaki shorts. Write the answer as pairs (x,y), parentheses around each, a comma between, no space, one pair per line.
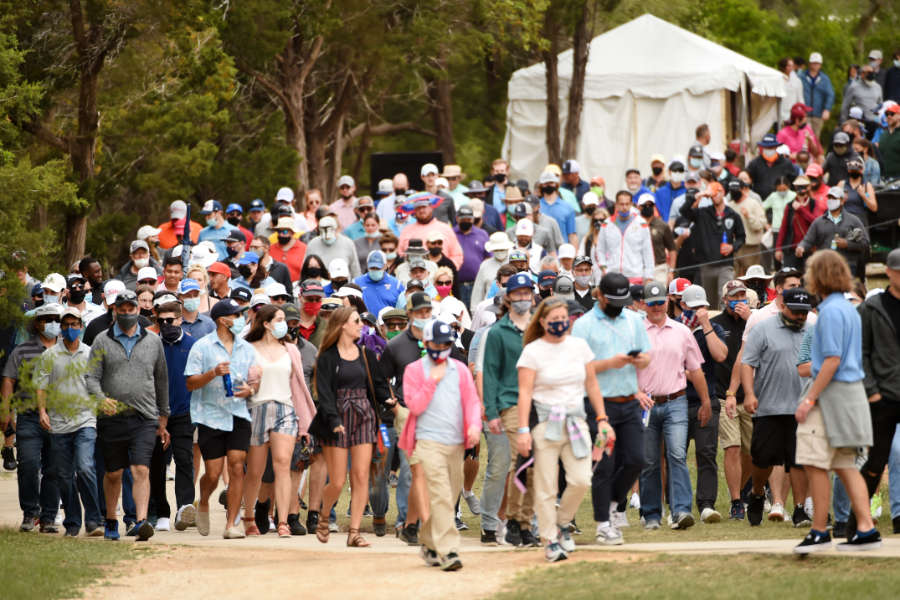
(737,431)
(399,423)
(813,448)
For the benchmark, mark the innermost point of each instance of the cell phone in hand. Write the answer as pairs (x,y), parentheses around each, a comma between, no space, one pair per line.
(634,353)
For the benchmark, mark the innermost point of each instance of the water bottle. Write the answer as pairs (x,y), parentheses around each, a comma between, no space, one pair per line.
(385,437)
(645,417)
(724,243)
(226,381)
(834,245)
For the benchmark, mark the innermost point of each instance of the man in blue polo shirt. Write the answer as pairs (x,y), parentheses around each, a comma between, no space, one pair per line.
(193,322)
(379,289)
(552,206)
(216,229)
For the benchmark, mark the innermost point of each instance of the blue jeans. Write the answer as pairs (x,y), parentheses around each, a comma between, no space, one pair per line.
(894,474)
(840,500)
(73,463)
(465,293)
(379,494)
(128,505)
(669,425)
(38,493)
(494,478)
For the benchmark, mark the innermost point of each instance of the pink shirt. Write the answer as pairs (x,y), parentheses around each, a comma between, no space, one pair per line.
(674,351)
(346,216)
(796,139)
(415,230)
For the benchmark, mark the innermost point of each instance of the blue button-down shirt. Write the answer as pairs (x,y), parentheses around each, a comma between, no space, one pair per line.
(200,327)
(128,341)
(217,237)
(562,213)
(838,333)
(608,337)
(209,406)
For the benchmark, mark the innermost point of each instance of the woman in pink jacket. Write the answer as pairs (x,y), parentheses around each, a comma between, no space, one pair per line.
(444,419)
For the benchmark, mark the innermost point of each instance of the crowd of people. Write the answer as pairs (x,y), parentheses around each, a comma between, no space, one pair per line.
(581,337)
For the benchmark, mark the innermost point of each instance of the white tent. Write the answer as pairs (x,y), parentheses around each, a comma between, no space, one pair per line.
(648,85)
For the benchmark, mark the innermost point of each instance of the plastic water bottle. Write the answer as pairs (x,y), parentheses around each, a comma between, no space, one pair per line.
(645,417)
(724,243)
(385,437)
(226,381)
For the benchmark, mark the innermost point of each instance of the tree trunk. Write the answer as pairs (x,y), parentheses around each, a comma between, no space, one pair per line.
(337,159)
(864,24)
(316,148)
(441,100)
(552,77)
(580,47)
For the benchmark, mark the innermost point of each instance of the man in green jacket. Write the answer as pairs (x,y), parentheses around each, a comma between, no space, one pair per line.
(501,395)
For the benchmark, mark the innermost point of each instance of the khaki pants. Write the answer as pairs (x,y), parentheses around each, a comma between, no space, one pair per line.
(443,468)
(746,257)
(519,506)
(661,273)
(816,124)
(547,454)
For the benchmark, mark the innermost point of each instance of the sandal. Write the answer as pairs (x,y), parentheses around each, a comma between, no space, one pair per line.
(250,529)
(355,540)
(283,530)
(322,532)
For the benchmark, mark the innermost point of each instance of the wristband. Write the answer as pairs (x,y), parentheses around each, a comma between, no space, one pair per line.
(709,332)
(603,418)
(809,401)
(523,430)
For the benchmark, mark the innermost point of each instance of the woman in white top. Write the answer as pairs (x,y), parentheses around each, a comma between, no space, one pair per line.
(273,420)
(555,374)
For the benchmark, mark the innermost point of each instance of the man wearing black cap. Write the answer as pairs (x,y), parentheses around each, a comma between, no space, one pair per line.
(620,344)
(582,269)
(472,240)
(768,166)
(772,390)
(77,298)
(235,244)
(129,371)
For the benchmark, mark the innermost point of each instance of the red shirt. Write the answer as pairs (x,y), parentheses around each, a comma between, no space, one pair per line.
(293,258)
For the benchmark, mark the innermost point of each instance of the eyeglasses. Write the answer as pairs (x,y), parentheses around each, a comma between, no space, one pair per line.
(50,319)
(656,303)
(395,325)
(166,320)
(443,283)
(71,326)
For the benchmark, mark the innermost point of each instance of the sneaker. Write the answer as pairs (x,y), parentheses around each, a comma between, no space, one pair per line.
(9,458)
(393,479)
(528,539)
(261,516)
(565,540)
(488,537)
(710,515)
(651,524)
(608,535)
(895,522)
(800,518)
(28,524)
(554,552)
(473,502)
(451,562)
(367,512)
(185,517)
(410,534)
(875,506)
(48,528)
(683,521)
(618,519)
(839,530)
(143,530)
(203,522)
(573,528)
(333,527)
(635,501)
(777,512)
(755,509)
(460,525)
(868,541)
(162,524)
(737,510)
(58,520)
(111,530)
(513,533)
(430,557)
(379,526)
(813,542)
(295,525)
(233,533)
(72,532)
(223,498)
(312,520)
(93,530)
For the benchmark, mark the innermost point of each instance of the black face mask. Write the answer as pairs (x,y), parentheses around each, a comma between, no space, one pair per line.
(853,174)
(76,296)
(146,312)
(169,333)
(589,209)
(547,190)
(598,224)
(435,251)
(399,192)
(234,221)
(231,252)
(647,210)
(126,322)
(656,170)
(545,292)
(284,240)
(736,194)
(612,311)
(465,225)
(245,271)
(313,272)
(870,76)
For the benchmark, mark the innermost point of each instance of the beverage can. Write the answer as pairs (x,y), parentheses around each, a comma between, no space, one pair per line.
(226,381)
(385,436)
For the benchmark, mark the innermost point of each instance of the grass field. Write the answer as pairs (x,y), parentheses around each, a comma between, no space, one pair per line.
(47,567)
(662,576)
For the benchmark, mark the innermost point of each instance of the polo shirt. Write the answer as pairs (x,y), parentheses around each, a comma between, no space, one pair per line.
(562,213)
(201,326)
(217,237)
(675,351)
(838,333)
(62,374)
(608,337)
(772,349)
(128,341)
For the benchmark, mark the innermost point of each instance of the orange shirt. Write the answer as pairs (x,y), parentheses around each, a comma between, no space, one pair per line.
(168,239)
(293,258)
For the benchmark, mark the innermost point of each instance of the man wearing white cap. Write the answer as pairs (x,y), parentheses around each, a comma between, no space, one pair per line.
(171,231)
(524,241)
(499,245)
(330,244)
(53,286)
(345,205)
(139,253)
(445,210)
(817,92)
(566,256)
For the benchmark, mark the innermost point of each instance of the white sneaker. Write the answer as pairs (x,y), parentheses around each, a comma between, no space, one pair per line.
(170,473)
(58,521)
(185,517)
(233,533)
(162,524)
(777,512)
(609,535)
(618,519)
(565,539)
(635,502)
(473,502)
(710,515)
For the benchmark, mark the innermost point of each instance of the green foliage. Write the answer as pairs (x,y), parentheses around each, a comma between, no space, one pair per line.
(34,375)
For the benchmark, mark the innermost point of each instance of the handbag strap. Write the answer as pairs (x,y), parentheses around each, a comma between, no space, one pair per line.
(368,374)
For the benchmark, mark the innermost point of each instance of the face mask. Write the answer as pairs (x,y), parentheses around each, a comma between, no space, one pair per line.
(583,280)
(329,237)
(238,326)
(545,292)
(612,311)
(735,194)
(373,234)
(633,187)
(140,263)
(733,304)
(695,163)
(625,215)
(280,329)
(548,190)
(688,314)
(376,274)
(589,210)
(312,308)
(676,177)
(647,210)
(465,225)
(146,312)
(245,272)
(656,170)
(794,324)
(781,194)
(72,333)
(438,356)
(126,322)
(815,183)
(521,307)
(76,296)
(558,328)
(597,189)
(834,204)
(501,255)
(434,251)
(211,221)
(313,272)
(170,333)
(597,223)
(443,290)
(392,334)
(231,252)
(420,323)
(399,191)
(191,304)
(854,174)
(870,76)
(234,221)
(284,240)
(769,154)
(390,255)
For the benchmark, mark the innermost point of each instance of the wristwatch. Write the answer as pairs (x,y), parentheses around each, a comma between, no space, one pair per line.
(525,429)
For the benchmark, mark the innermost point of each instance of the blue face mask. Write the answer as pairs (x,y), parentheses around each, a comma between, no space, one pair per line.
(390,255)
(238,326)
(625,215)
(72,333)
(51,330)
(376,274)
(279,330)
(558,328)
(732,304)
(420,323)
(191,304)
(211,221)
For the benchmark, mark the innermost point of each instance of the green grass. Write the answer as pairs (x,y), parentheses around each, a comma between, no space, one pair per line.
(663,576)
(46,567)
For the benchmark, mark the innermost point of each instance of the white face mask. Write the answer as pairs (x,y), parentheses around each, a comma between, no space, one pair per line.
(676,177)
(328,236)
(501,255)
(140,263)
(834,204)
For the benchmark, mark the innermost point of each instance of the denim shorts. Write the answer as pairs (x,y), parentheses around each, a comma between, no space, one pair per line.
(272,417)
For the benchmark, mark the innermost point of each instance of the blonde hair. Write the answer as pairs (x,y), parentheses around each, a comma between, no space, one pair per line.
(535,330)
(443,271)
(204,276)
(827,272)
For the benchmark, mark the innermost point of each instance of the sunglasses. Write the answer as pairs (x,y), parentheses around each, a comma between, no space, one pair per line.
(656,303)
(443,283)
(166,320)
(395,326)
(356,321)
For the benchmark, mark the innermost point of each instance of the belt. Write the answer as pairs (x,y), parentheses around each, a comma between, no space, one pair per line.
(618,399)
(667,397)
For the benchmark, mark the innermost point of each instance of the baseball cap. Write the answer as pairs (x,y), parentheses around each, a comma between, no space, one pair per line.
(126,297)
(178,210)
(525,227)
(800,110)
(163,298)
(695,150)
(875,54)
(590,199)
(346,180)
(566,251)
(418,300)
(582,260)
(658,158)
(188,285)
(147,273)
(517,254)
(392,313)
(54,282)
(257,204)
(616,288)
(311,287)
(210,206)
(564,286)
(644,198)
(138,245)
(220,268)
(236,235)
(415,283)
(364,201)
(284,194)
(571,166)
(428,169)
(74,278)
(815,57)
(841,137)
(417,262)
(733,287)
(856,112)
(273,290)
(814,170)
(768,141)
(234,206)
(249,258)
(375,260)
(735,185)
(224,308)
(147,231)
(291,312)
(326,222)
(111,289)
(259,299)
(893,260)
(521,210)
(546,278)
(241,294)
(692,176)
(892,108)
(755,272)
(338,268)
(385,187)
(637,291)
(435,235)
(439,332)
(518,281)
(465,212)
(654,291)
(694,296)
(47,310)
(548,177)
(70,311)
(835,192)
(678,285)
(797,299)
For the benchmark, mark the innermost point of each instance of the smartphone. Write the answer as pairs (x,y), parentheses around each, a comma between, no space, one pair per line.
(634,353)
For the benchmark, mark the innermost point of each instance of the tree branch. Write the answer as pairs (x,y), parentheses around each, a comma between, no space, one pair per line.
(386,129)
(40,131)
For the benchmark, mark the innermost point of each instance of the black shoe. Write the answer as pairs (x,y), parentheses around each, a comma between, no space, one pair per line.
(896,522)
(144,530)
(48,528)
(755,509)
(813,542)
(460,525)
(9,458)
(839,529)
(223,498)
(410,535)
(73,532)
(851,526)
(857,542)
(28,524)
(296,527)
(379,526)
(573,528)
(261,516)
(528,539)
(488,537)
(312,520)
(451,562)
(513,533)
(800,518)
